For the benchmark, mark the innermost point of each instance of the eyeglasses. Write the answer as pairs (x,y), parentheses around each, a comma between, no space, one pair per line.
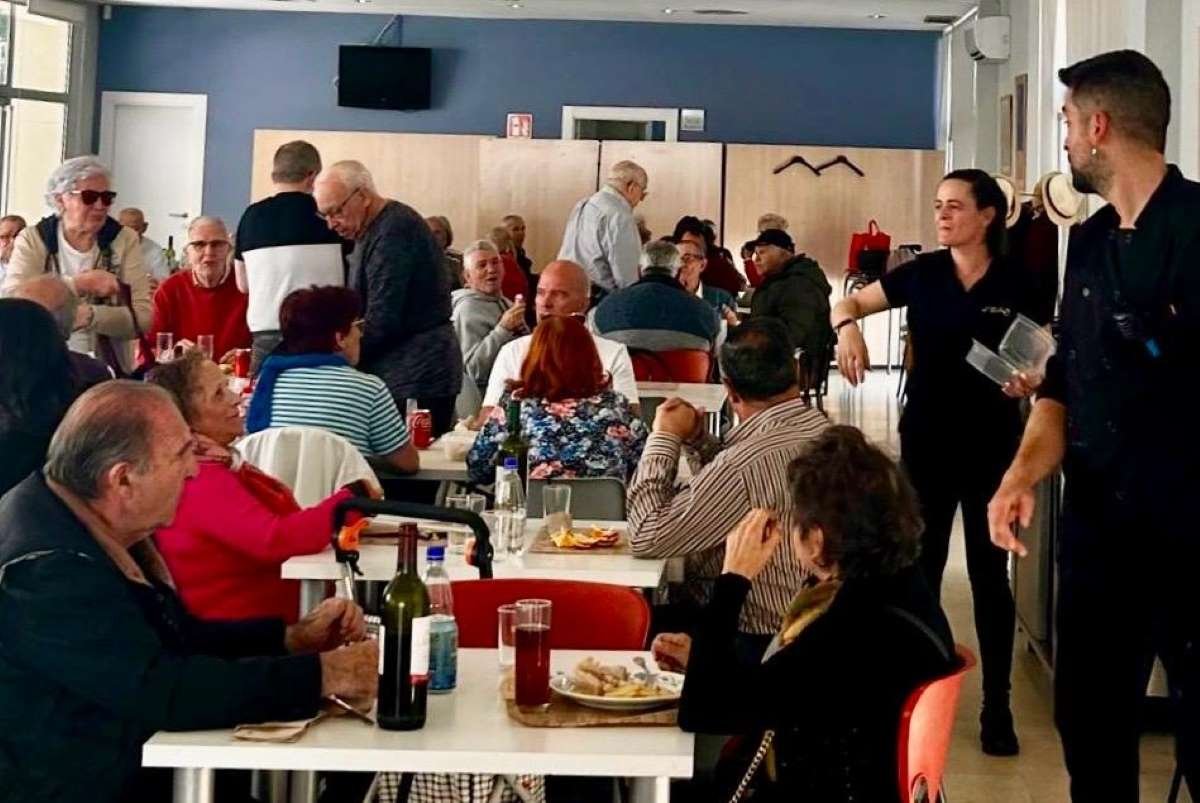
(337,210)
(216,245)
(690,258)
(89,197)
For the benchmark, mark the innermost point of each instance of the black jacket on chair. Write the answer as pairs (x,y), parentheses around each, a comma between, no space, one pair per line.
(833,695)
(93,663)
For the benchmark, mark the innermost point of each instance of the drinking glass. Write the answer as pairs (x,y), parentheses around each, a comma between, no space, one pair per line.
(556,507)
(456,538)
(205,344)
(499,547)
(533,653)
(506,624)
(163,345)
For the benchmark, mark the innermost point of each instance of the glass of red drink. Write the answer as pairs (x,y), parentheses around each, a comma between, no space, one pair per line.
(533,653)
(241,363)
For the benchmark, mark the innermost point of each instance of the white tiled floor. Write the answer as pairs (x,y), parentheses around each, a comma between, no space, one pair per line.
(1037,775)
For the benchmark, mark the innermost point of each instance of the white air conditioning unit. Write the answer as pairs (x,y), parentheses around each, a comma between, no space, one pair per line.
(987,39)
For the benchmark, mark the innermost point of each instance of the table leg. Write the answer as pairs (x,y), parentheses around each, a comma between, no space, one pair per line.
(193,786)
(650,790)
(311,594)
(303,787)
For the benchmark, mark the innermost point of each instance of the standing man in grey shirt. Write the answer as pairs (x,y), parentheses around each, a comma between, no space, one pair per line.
(407,339)
(601,233)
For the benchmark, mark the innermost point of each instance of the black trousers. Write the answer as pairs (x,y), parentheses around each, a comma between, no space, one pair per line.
(1127,575)
(946,476)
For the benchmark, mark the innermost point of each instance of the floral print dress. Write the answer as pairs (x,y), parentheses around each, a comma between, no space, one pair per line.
(599,436)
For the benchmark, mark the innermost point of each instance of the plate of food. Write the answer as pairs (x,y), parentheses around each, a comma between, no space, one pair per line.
(616,688)
(591,538)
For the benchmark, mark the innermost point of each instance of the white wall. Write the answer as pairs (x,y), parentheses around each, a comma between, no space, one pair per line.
(1166,30)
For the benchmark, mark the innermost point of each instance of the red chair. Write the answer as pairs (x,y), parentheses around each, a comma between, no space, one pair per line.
(926,725)
(586,616)
(679,365)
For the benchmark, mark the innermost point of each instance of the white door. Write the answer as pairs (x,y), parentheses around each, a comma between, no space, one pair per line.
(154,144)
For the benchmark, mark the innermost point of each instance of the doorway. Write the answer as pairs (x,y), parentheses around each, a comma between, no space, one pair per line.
(620,123)
(154,144)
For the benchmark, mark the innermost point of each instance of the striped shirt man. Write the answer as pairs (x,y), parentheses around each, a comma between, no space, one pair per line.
(343,401)
(749,470)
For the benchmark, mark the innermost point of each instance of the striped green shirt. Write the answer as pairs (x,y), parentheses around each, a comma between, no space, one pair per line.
(342,400)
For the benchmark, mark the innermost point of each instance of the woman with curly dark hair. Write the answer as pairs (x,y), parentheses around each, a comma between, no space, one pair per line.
(36,387)
(825,703)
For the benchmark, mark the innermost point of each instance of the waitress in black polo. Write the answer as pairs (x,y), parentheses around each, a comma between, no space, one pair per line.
(959,430)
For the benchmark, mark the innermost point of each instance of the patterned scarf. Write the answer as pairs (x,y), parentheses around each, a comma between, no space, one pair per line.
(270,492)
(805,608)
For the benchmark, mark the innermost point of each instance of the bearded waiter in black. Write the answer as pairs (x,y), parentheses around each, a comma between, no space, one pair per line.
(1117,411)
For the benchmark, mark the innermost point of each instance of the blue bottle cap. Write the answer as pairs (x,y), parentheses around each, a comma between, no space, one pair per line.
(510,462)
(435,553)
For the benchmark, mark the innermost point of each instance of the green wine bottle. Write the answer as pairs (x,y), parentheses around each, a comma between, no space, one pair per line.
(404,636)
(169,255)
(514,444)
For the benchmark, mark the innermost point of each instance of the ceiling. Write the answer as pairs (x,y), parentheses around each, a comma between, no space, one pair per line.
(880,14)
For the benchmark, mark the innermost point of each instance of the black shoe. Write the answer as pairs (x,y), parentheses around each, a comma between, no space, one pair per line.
(996,734)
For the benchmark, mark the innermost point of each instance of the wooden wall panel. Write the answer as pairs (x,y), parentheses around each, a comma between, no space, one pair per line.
(436,174)
(685,179)
(823,211)
(539,179)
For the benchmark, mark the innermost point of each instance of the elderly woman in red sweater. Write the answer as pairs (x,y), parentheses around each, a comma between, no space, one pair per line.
(235,525)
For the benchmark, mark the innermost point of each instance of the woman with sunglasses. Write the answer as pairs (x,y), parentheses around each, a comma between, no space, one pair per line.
(95,255)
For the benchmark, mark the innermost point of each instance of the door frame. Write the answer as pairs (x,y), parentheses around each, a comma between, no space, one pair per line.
(637,114)
(109,101)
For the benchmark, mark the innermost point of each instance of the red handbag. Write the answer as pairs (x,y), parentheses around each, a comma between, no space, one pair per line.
(873,239)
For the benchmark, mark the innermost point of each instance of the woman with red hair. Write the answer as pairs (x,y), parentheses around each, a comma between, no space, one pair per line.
(575,424)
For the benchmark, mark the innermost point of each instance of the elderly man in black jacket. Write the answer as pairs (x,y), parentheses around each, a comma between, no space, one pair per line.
(96,650)
(396,267)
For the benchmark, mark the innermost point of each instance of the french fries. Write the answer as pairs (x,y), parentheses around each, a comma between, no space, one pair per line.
(592,677)
(595,537)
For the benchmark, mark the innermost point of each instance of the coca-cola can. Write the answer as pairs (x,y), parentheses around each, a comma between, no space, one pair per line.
(241,363)
(420,428)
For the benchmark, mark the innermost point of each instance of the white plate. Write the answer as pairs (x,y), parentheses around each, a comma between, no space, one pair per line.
(669,683)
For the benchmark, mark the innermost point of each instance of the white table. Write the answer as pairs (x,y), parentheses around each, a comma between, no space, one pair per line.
(708,395)
(465,731)
(435,467)
(378,563)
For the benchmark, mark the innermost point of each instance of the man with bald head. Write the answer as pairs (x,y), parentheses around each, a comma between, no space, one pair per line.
(601,233)
(97,651)
(396,267)
(203,298)
(51,292)
(563,289)
(153,258)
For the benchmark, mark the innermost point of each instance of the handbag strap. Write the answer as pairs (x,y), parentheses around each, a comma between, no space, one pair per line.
(763,747)
(873,227)
(104,344)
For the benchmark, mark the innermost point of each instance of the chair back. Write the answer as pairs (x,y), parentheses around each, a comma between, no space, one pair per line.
(678,365)
(926,725)
(586,616)
(313,462)
(601,498)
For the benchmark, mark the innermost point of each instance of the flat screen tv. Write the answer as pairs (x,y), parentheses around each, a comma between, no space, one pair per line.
(383,77)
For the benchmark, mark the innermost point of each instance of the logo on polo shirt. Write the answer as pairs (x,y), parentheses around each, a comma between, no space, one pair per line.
(1005,311)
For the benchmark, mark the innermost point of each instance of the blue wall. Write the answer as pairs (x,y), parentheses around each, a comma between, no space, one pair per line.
(756,84)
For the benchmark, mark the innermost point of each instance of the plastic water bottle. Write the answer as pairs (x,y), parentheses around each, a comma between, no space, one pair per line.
(510,508)
(443,629)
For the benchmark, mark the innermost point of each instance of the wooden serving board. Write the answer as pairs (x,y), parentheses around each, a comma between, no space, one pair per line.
(564,713)
(543,545)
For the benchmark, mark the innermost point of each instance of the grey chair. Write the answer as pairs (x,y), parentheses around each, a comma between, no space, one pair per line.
(597,498)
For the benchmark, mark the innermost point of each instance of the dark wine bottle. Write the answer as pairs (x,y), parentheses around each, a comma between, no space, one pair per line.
(404,635)
(514,444)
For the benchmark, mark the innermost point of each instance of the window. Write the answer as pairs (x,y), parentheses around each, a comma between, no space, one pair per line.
(35,58)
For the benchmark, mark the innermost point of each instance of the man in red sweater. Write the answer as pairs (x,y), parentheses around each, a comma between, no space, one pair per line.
(203,299)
